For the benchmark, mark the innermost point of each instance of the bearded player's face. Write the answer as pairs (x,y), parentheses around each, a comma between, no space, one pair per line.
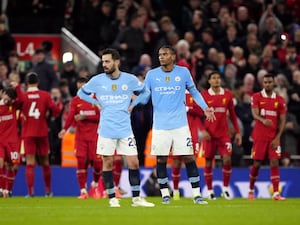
(109,65)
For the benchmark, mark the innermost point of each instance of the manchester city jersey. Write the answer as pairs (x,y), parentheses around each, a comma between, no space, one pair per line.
(168,96)
(114,96)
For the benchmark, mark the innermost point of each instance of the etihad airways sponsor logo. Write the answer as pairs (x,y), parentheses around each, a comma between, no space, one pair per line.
(113,99)
(167,89)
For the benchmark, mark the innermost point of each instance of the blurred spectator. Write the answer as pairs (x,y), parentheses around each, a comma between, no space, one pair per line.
(242,20)
(290,139)
(252,45)
(230,74)
(83,71)
(270,26)
(4,74)
(209,41)
(7,42)
(70,74)
(198,25)
(248,83)
(189,37)
(230,41)
(183,53)
(294,95)
(282,86)
(144,65)
(197,61)
(44,70)
(105,19)
(252,66)
(64,90)
(130,41)
(47,47)
(55,125)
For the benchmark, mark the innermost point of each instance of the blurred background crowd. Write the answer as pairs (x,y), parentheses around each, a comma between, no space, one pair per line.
(241,39)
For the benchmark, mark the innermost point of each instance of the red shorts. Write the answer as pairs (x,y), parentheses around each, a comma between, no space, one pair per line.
(261,149)
(10,152)
(223,145)
(36,145)
(86,149)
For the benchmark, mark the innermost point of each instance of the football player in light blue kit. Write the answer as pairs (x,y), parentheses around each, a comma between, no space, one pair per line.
(113,90)
(168,84)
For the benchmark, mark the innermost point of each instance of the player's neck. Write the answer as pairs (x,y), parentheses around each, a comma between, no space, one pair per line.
(115,75)
(216,90)
(167,68)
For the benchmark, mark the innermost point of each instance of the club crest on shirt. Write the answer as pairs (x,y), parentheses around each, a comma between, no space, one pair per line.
(275,105)
(114,87)
(167,78)
(10,108)
(124,87)
(177,78)
(224,101)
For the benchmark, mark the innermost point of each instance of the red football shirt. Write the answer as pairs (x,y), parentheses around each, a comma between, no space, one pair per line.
(35,107)
(194,114)
(221,103)
(8,124)
(85,129)
(269,108)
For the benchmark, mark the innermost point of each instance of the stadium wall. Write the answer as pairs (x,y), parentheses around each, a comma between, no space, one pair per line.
(64,182)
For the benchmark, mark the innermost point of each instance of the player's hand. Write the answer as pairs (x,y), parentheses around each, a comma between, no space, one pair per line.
(275,143)
(206,136)
(78,117)
(238,139)
(210,115)
(267,122)
(62,133)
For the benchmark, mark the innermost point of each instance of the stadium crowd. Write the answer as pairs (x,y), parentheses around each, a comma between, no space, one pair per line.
(242,40)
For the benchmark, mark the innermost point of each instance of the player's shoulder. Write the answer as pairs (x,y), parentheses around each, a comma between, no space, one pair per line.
(280,98)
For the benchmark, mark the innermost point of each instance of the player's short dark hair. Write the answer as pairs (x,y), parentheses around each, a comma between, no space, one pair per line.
(213,73)
(11,92)
(171,49)
(113,52)
(32,78)
(269,75)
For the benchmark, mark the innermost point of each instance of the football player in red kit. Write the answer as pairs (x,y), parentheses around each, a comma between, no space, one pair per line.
(86,117)
(35,109)
(9,139)
(216,133)
(269,113)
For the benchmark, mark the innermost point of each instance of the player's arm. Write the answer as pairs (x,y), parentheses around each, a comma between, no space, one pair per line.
(209,112)
(87,96)
(142,98)
(281,125)
(256,116)
(69,121)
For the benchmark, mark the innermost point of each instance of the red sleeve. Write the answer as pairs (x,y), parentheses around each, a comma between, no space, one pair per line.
(232,115)
(254,101)
(70,118)
(195,110)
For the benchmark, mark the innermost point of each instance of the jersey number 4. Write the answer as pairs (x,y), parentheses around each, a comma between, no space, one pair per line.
(34,111)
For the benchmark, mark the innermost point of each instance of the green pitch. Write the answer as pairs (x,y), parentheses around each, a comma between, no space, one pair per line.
(61,210)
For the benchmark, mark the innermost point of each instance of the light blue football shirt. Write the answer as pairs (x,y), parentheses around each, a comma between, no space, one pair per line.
(114,97)
(168,96)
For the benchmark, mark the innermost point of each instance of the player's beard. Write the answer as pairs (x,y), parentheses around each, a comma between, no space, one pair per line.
(109,71)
